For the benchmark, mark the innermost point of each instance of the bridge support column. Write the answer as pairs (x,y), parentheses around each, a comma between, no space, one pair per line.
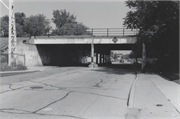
(100,59)
(143,58)
(93,64)
(103,58)
(97,58)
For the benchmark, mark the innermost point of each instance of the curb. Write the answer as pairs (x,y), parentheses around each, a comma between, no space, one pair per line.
(11,73)
(130,102)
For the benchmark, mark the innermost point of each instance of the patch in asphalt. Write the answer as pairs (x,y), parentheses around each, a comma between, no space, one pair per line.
(159,105)
(47,109)
(36,87)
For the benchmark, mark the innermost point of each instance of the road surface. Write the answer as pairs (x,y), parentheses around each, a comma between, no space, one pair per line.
(67,93)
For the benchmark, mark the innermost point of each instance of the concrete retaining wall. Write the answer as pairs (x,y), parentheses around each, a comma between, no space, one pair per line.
(32,57)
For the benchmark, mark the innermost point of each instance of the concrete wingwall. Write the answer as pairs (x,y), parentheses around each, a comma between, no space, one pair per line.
(32,57)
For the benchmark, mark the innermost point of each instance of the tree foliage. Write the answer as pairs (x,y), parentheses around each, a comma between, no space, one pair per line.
(158,24)
(4,25)
(19,19)
(125,56)
(66,24)
(62,17)
(36,25)
(73,29)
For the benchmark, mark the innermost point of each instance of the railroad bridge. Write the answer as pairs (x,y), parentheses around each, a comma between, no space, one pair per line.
(78,49)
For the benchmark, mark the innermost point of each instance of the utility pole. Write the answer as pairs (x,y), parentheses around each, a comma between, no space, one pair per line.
(12,41)
(12,33)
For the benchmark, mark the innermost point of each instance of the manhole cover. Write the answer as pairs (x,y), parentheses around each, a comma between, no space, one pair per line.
(36,87)
(159,105)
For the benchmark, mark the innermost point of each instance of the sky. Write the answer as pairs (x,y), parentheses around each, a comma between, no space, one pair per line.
(92,13)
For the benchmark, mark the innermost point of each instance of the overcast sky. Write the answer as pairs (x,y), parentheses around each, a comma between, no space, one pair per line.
(92,13)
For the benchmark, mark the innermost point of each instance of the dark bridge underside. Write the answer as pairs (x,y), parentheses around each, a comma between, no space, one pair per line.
(106,48)
(72,54)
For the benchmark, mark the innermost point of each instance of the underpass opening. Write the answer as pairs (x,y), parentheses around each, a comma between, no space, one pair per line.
(77,54)
(121,57)
(105,50)
(64,54)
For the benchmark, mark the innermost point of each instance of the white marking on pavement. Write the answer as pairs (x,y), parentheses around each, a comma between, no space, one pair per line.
(47,109)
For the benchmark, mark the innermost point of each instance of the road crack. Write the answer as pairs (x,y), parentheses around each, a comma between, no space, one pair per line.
(101,95)
(98,84)
(53,102)
(11,89)
(20,111)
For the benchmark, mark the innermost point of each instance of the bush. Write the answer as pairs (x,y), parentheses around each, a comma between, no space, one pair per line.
(3,60)
(21,67)
(5,67)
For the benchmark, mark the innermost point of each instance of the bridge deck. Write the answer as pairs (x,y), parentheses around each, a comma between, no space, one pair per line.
(84,40)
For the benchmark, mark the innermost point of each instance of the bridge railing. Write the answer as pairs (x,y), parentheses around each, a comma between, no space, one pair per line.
(97,32)
(112,31)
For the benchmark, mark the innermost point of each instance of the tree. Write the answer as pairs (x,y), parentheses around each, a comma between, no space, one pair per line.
(62,17)
(19,30)
(4,25)
(125,56)
(36,25)
(66,24)
(73,29)
(158,24)
(19,19)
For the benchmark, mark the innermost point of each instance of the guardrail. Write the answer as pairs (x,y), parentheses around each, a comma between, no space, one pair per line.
(97,32)
(112,31)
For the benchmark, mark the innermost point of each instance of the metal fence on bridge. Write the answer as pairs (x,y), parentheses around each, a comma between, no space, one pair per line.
(112,32)
(96,32)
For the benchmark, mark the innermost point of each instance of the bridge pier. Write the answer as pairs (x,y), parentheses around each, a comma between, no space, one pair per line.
(93,64)
(100,59)
(103,58)
(97,58)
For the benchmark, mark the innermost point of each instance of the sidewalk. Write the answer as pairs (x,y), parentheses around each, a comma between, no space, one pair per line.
(41,68)
(29,70)
(156,98)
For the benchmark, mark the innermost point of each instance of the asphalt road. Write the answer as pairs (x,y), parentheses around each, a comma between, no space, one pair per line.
(67,93)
